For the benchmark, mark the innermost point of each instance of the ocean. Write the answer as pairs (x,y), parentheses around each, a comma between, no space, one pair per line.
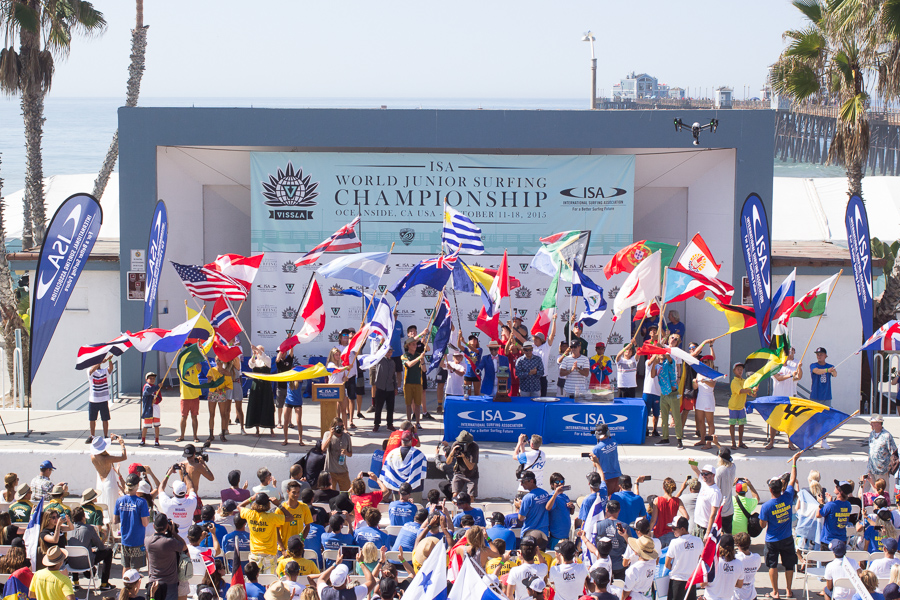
(77,131)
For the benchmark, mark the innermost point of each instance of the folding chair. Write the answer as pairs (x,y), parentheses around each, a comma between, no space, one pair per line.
(79,556)
(267,579)
(824,556)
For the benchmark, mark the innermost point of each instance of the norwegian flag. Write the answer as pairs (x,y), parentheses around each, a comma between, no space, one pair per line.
(344,238)
(224,320)
(94,354)
(709,555)
(207,285)
(242,269)
(208,561)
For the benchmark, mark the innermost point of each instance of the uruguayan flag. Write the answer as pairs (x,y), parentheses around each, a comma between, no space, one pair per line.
(430,583)
(460,233)
(398,470)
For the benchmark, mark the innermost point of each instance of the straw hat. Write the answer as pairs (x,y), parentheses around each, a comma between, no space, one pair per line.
(88,496)
(278,591)
(643,547)
(22,491)
(55,556)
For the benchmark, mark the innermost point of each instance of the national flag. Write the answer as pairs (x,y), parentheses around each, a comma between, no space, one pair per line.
(591,293)
(440,334)
(697,258)
(804,421)
(547,312)
(94,354)
(32,534)
(626,259)
(364,268)
(460,234)
(739,317)
(343,239)
(681,285)
(187,359)
(885,339)
(763,363)
(299,373)
(492,273)
(242,269)
(641,286)
(469,585)
(208,561)
(355,344)
(224,321)
(207,284)
(650,349)
(814,302)
(311,319)
(783,299)
(224,352)
(430,583)
(202,332)
(162,340)
(709,555)
(433,272)
(369,300)
(695,363)
(561,249)
(464,278)
(381,326)
(596,514)
(15,588)
(488,319)
(237,575)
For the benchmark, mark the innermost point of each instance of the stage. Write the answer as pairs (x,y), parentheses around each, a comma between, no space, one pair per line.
(59,437)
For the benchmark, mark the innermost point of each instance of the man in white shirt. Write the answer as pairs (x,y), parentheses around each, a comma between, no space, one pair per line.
(567,577)
(180,507)
(882,566)
(708,501)
(98,405)
(835,570)
(785,384)
(751,562)
(532,457)
(640,573)
(682,558)
(267,484)
(516,588)
(576,369)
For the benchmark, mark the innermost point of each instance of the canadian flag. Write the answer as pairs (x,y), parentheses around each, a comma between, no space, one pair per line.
(311,319)
(488,319)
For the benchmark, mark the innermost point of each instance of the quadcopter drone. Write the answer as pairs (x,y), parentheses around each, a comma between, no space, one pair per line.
(696,128)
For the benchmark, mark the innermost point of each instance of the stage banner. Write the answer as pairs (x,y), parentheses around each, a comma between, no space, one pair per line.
(67,245)
(857,222)
(574,423)
(492,421)
(156,254)
(757,258)
(300,198)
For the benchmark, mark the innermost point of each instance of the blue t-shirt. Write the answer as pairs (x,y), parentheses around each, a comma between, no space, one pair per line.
(534,511)
(778,512)
(472,358)
(313,539)
(504,534)
(875,596)
(607,453)
(130,510)
(406,537)
(255,591)
(588,502)
(370,534)
(221,532)
(294,396)
(560,519)
(241,538)
(476,513)
(821,384)
(334,541)
(511,521)
(396,338)
(873,539)
(632,506)
(401,513)
(836,518)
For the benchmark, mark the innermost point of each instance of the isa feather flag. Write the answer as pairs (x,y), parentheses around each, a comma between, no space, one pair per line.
(460,234)
(804,421)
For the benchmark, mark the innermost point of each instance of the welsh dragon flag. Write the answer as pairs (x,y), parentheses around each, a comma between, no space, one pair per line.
(548,310)
(813,303)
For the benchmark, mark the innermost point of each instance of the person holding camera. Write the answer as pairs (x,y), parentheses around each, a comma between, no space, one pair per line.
(605,458)
(194,466)
(181,505)
(338,447)
(531,458)
(162,559)
(197,538)
(462,459)
(103,462)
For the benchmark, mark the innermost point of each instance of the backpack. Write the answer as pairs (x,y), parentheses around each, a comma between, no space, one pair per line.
(754,527)
(185,567)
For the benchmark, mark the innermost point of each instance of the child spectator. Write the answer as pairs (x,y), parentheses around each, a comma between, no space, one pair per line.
(150,400)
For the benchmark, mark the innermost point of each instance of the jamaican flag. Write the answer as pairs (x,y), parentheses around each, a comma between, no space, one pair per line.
(804,421)
(765,362)
(187,359)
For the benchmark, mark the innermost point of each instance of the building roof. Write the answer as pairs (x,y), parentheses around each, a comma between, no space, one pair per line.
(812,254)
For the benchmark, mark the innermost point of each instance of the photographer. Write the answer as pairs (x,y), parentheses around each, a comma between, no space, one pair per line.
(180,507)
(462,458)
(338,447)
(194,466)
(198,537)
(162,556)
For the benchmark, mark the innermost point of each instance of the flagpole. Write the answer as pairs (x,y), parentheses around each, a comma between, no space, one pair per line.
(508,291)
(366,308)
(311,277)
(825,435)
(246,335)
(456,306)
(687,589)
(571,322)
(830,292)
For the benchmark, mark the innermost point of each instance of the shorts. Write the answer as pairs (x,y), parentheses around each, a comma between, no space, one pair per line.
(470,379)
(441,376)
(236,392)
(98,408)
(153,419)
(561,383)
(737,417)
(688,403)
(652,402)
(280,395)
(134,557)
(173,591)
(350,388)
(398,364)
(217,396)
(190,406)
(412,394)
(783,548)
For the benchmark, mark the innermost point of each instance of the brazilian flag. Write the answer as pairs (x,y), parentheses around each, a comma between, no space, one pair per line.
(804,421)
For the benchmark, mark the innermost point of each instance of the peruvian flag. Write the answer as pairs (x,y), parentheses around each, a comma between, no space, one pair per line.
(488,319)
(242,269)
(548,310)
(643,312)
(697,258)
(311,319)
(224,320)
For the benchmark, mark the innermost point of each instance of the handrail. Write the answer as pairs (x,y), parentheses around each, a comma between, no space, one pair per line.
(84,388)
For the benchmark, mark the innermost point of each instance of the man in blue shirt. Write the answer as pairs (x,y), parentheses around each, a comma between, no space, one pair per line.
(406,537)
(598,493)
(133,513)
(239,537)
(402,511)
(613,531)
(208,517)
(313,540)
(498,530)
(631,503)
(820,390)
(370,532)
(334,539)
(775,517)
(533,512)
(464,504)
(836,513)
(560,508)
(605,457)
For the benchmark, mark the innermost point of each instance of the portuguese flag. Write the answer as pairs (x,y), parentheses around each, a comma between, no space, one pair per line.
(548,310)
(628,257)
(814,302)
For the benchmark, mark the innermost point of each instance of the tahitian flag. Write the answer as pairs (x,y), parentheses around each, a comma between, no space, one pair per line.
(156,254)
(857,222)
(757,258)
(67,245)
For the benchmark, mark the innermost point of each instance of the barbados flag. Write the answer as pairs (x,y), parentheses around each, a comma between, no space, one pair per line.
(805,421)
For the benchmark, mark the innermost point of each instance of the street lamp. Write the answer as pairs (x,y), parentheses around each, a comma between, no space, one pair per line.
(588,37)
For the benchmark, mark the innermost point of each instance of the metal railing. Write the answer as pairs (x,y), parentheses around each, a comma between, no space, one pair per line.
(83,391)
(880,389)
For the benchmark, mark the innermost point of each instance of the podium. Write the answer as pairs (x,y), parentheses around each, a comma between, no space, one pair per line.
(327,395)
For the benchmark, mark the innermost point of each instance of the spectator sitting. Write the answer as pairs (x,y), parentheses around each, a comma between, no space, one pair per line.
(41,484)
(294,553)
(57,494)
(370,532)
(498,530)
(334,539)
(402,511)
(464,505)
(20,510)
(255,591)
(324,489)
(307,498)
(236,492)
(362,497)
(879,488)
(267,484)
(226,514)
(85,535)
(313,540)
(239,537)
(92,514)
(870,581)
(475,547)
(567,576)
(196,536)
(15,558)
(296,475)
(877,528)
(465,523)
(52,582)
(882,566)
(598,490)
(502,564)
(406,537)
(632,505)
(601,580)
(332,584)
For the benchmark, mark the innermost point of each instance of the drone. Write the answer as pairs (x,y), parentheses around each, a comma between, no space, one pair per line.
(696,128)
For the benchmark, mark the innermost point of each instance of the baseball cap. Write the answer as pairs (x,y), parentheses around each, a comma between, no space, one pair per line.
(462,497)
(736,365)
(339,574)
(179,488)
(134,479)
(725,454)
(47,465)
(144,488)
(708,469)
(229,505)
(160,522)
(149,374)
(599,345)
(891,591)
(130,576)
(822,350)
(136,468)
(889,544)
(190,450)
(537,585)
(603,430)
(845,486)
(679,523)
(838,547)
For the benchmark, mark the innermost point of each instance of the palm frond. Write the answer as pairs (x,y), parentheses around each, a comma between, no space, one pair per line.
(10,71)
(811,9)
(795,79)
(810,45)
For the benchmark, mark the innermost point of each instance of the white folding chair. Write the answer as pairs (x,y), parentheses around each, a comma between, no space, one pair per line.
(857,555)
(4,577)
(492,507)
(824,556)
(324,506)
(393,529)
(267,579)
(79,558)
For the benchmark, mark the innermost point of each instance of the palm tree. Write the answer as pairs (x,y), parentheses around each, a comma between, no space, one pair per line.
(8,303)
(44,29)
(135,72)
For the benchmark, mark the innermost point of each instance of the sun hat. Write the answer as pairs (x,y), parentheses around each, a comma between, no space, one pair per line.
(88,496)
(528,344)
(22,491)
(280,591)
(339,575)
(58,490)
(464,437)
(99,445)
(876,418)
(422,550)
(55,556)
(643,547)
(537,585)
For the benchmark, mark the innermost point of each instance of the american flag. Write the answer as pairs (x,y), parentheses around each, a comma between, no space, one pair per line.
(344,238)
(206,284)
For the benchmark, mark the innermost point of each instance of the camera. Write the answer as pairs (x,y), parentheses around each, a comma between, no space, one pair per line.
(204,457)
(176,467)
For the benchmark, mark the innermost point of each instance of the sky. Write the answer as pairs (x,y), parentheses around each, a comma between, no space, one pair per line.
(406,49)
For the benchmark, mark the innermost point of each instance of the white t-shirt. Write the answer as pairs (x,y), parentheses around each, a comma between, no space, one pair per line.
(179,510)
(632,556)
(337,376)
(568,580)
(639,579)
(723,585)
(706,394)
(519,574)
(882,566)
(834,570)
(99,384)
(685,554)
(751,564)
(788,387)
(725,476)
(605,563)
(295,587)
(196,559)
(709,499)
(535,461)
(651,383)
(576,383)
(626,372)
(455,378)
(543,352)
(273,492)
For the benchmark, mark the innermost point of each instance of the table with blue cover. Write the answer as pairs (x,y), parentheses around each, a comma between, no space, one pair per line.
(562,422)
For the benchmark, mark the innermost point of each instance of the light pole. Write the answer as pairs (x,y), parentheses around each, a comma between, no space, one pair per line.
(588,37)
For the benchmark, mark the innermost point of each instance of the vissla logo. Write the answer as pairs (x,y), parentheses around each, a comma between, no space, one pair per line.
(614,339)
(523,266)
(429,292)
(521,312)
(291,189)
(289,313)
(428,312)
(613,292)
(268,265)
(477,334)
(335,310)
(407,235)
(289,332)
(266,311)
(334,336)
(381,288)
(335,290)
(290,287)
(289,267)
(569,289)
(473,315)
(523,292)
(428,358)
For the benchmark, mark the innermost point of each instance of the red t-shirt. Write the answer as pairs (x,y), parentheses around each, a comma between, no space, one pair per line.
(360,502)
(394,443)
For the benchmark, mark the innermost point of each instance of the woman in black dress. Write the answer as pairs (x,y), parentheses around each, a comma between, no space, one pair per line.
(260,400)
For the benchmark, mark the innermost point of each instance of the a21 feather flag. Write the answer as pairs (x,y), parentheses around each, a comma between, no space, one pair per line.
(460,234)
(804,421)
(344,238)
(207,285)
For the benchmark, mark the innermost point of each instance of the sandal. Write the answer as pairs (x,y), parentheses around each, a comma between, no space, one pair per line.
(744,446)
(222,437)
(179,439)
(768,446)
(284,443)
